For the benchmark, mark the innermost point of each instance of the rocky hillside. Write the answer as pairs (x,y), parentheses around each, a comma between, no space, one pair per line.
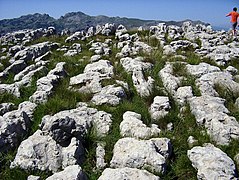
(73,21)
(109,103)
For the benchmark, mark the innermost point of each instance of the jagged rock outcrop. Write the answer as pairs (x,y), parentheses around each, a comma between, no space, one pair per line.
(41,152)
(15,124)
(212,163)
(76,123)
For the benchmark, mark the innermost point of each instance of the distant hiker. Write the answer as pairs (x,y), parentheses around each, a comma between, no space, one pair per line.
(234,18)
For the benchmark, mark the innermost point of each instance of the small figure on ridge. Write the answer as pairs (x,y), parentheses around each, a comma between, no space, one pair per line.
(234,17)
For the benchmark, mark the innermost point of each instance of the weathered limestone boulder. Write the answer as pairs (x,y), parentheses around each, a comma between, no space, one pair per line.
(127,173)
(102,66)
(132,126)
(74,172)
(170,82)
(15,124)
(5,107)
(108,29)
(220,52)
(46,85)
(183,94)
(138,63)
(210,112)
(73,50)
(231,70)
(160,107)
(212,163)
(15,67)
(38,152)
(75,123)
(143,87)
(14,49)
(73,154)
(31,177)
(178,45)
(201,69)
(90,80)
(225,80)
(131,47)
(95,58)
(111,95)
(35,51)
(143,154)
(100,156)
(100,48)
(41,152)
(74,37)
(29,71)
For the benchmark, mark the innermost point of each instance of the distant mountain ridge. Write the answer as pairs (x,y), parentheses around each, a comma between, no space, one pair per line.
(75,21)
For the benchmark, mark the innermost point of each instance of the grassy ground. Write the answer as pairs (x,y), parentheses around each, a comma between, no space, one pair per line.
(179,166)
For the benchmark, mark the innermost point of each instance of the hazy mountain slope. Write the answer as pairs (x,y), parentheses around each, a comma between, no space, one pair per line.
(73,21)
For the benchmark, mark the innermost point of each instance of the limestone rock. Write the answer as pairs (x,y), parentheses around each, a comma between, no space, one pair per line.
(38,152)
(75,123)
(160,107)
(130,64)
(34,51)
(183,94)
(132,126)
(127,173)
(143,154)
(108,29)
(90,80)
(201,69)
(46,85)
(31,177)
(143,87)
(73,154)
(74,37)
(225,80)
(100,156)
(212,163)
(170,82)
(110,95)
(15,124)
(74,172)
(5,107)
(211,112)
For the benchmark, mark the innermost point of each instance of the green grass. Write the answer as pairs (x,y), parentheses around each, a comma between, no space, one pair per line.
(178,166)
(230,98)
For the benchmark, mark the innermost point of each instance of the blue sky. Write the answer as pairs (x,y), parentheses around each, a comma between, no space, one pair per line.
(211,11)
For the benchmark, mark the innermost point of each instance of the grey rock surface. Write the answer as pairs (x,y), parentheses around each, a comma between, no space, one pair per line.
(212,163)
(143,154)
(127,173)
(74,172)
(132,126)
